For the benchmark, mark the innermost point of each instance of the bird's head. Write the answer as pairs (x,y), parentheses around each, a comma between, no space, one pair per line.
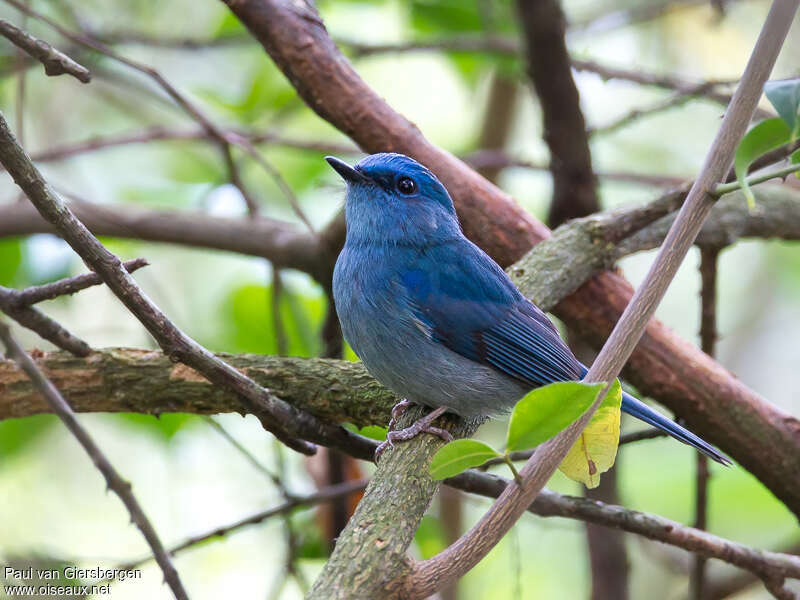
(393,199)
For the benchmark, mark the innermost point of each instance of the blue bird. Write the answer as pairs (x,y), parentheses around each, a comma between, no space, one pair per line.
(435,319)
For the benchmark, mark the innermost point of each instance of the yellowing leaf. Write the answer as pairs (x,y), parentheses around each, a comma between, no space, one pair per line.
(595,450)
(547,410)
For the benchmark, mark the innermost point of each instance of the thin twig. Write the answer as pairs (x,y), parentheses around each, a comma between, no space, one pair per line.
(324,495)
(275,311)
(55,62)
(47,328)
(550,504)
(256,464)
(637,113)
(498,159)
(65,287)
(113,480)
(709,257)
(150,134)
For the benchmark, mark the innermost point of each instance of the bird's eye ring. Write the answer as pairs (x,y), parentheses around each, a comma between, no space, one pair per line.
(406,185)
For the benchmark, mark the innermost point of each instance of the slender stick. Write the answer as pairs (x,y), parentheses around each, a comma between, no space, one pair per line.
(324,495)
(68,286)
(709,257)
(113,480)
(54,61)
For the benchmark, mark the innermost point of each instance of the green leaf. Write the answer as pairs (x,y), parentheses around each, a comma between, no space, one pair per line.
(458,456)
(10,260)
(785,97)
(766,136)
(17,434)
(795,159)
(595,450)
(430,537)
(373,432)
(163,427)
(545,411)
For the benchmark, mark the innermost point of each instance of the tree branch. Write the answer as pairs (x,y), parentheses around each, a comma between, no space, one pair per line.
(45,327)
(113,480)
(65,287)
(654,527)
(574,182)
(54,61)
(148,382)
(278,241)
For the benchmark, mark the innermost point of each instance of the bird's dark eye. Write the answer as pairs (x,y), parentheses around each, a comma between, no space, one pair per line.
(406,185)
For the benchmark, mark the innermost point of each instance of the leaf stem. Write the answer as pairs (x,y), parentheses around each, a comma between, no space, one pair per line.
(725,188)
(514,472)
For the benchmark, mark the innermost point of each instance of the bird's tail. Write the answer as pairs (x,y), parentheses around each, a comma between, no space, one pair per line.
(641,411)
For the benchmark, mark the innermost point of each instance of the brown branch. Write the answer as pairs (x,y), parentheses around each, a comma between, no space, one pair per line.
(45,327)
(637,113)
(54,61)
(275,240)
(549,504)
(327,494)
(709,257)
(151,134)
(486,159)
(66,287)
(548,65)
(724,586)
(459,558)
(114,481)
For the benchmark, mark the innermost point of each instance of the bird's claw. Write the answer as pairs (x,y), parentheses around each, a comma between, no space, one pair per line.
(423,425)
(397,411)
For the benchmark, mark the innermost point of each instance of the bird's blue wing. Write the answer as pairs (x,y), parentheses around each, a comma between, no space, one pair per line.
(467,303)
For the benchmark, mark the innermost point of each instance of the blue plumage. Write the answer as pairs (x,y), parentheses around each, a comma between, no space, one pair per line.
(431,315)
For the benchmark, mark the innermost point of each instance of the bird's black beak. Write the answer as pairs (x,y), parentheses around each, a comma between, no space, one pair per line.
(347,172)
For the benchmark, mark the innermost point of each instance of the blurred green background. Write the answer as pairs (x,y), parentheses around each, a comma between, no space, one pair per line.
(190,479)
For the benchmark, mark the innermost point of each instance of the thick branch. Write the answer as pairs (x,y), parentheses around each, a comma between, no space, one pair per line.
(148,382)
(278,241)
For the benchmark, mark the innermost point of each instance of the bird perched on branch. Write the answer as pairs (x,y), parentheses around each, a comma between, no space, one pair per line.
(435,319)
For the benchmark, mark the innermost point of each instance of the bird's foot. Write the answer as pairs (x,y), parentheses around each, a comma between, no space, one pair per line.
(397,411)
(423,425)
